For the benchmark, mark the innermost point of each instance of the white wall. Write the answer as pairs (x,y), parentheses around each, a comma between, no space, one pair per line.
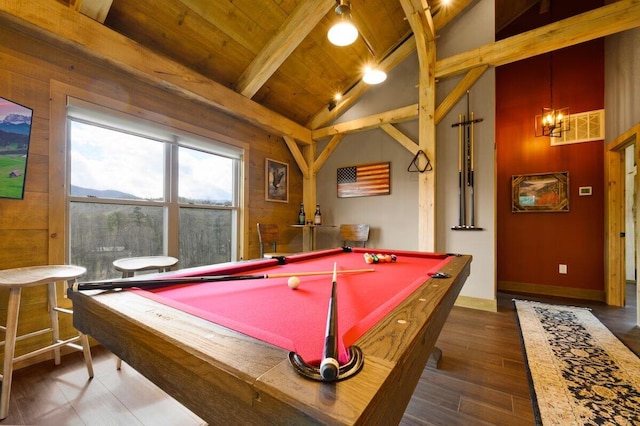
(393,218)
(622,82)
(474,28)
(629,213)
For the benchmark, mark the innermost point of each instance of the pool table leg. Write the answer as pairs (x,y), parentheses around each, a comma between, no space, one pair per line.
(434,358)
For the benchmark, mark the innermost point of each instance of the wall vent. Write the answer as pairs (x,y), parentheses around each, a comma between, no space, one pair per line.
(584,127)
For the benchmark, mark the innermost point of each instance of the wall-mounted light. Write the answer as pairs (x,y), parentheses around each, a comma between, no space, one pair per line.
(373,76)
(344,32)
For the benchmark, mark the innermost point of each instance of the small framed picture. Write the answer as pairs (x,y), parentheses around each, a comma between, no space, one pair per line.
(277,181)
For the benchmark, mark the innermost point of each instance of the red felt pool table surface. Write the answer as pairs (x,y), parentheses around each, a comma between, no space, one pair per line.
(295,320)
(229,376)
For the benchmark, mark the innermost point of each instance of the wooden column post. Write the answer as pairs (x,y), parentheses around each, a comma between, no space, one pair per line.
(419,17)
(309,191)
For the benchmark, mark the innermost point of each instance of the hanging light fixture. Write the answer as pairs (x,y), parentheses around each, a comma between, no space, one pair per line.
(343,33)
(373,75)
(553,122)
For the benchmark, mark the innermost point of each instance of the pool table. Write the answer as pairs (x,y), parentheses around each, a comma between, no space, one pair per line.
(222,348)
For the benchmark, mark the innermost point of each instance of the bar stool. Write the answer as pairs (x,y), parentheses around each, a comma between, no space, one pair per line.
(130,265)
(15,280)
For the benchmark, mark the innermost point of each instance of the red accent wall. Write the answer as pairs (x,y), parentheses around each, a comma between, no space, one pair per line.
(532,245)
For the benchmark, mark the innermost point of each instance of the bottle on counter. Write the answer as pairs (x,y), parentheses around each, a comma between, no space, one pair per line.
(317,218)
(301,216)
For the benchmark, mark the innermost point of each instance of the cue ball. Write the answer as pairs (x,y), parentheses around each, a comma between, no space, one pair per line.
(293,282)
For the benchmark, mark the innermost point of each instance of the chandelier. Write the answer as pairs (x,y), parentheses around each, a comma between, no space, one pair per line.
(553,122)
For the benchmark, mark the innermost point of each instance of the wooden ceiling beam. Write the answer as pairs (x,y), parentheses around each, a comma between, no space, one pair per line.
(299,24)
(54,22)
(367,123)
(326,153)
(402,114)
(619,16)
(297,155)
(419,17)
(404,140)
(94,9)
(616,17)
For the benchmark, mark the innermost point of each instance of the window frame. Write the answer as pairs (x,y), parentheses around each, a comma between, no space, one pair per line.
(62,96)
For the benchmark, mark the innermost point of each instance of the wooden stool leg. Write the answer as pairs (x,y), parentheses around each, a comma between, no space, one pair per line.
(84,340)
(52,299)
(13,310)
(86,351)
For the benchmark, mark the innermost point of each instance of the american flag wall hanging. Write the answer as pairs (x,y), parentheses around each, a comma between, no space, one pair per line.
(364,180)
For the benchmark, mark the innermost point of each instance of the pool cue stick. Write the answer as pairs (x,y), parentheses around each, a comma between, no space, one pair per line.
(471,171)
(461,207)
(330,367)
(165,282)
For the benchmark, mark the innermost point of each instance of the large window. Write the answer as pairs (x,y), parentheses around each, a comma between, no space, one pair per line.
(139,189)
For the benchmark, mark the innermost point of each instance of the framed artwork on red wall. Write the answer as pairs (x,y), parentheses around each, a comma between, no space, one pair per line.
(542,192)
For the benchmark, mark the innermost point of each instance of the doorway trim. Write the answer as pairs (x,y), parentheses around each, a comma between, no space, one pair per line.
(614,172)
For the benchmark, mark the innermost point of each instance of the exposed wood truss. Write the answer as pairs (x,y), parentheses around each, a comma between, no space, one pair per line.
(293,31)
(54,22)
(616,17)
(444,16)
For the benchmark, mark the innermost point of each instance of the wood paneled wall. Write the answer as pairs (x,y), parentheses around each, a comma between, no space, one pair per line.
(28,69)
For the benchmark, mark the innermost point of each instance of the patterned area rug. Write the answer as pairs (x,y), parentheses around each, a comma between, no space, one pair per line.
(580,373)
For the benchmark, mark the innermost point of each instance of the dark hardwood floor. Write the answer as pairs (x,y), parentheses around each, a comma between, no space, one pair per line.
(482,377)
(481,380)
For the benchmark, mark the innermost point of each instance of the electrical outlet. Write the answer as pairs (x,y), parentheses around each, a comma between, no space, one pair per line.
(562,269)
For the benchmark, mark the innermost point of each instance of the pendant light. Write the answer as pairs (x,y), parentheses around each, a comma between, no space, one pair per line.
(344,32)
(553,122)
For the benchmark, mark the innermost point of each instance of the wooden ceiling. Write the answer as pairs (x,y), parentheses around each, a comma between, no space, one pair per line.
(276,52)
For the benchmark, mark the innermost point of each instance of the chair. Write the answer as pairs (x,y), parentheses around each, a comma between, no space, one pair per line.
(355,234)
(268,234)
(15,280)
(130,265)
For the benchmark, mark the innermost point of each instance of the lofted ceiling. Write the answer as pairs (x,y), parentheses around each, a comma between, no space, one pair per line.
(220,39)
(275,52)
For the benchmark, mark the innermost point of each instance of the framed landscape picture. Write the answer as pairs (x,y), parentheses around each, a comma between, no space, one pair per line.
(277,181)
(15,133)
(543,192)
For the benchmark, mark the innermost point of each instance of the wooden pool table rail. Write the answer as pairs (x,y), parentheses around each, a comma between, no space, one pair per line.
(227,377)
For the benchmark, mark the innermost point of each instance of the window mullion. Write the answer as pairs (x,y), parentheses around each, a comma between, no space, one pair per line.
(171,192)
